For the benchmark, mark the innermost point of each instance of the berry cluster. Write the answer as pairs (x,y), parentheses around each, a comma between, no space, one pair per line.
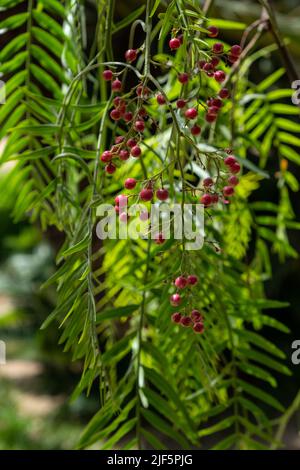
(132,112)
(195,318)
(211,195)
(129,111)
(146,194)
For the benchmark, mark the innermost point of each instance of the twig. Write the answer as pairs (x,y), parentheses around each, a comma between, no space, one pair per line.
(274,29)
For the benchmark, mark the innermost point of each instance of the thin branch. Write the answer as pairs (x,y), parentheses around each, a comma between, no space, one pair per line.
(284,52)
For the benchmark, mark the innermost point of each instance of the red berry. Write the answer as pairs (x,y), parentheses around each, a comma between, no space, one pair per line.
(214,61)
(160,99)
(176,317)
(181,282)
(159,239)
(130,183)
(208,67)
(175,300)
(232,58)
(192,279)
(236,50)
(214,198)
(115,114)
(196,316)
(142,112)
(180,103)
(136,151)
(128,116)
(235,168)
(121,200)
(110,168)
(206,200)
(143,90)
(210,117)
(186,321)
(162,194)
(146,194)
(123,154)
(131,143)
(201,63)
(220,76)
(118,101)
(139,126)
(233,180)
(183,77)
(213,31)
(106,156)
(119,139)
(114,149)
(107,75)
(198,327)
(208,182)
(228,191)
(230,160)
(144,215)
(218,48)
(174,43)
(217,102)
(123,217)
(130,55)
(116,85)
(191,113)
(224,93)
(196,130)
(213,110)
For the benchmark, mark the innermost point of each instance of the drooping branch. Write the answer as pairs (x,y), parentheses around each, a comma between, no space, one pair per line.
(284,52)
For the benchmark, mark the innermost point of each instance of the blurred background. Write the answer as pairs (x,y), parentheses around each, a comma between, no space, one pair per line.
(36,383)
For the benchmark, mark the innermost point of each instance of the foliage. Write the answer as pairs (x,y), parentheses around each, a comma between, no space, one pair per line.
(155,379)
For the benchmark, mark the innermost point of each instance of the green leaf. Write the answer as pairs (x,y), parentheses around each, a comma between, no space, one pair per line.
(227,24)
(48,24)
(78,160)
(46,80)
(287,125)
(260,341)
(129,19)
(162,426)
(78,247)
(155,7)
(153,440)
(281,108)
(227,443)
(166,21)
(122,432)
(271,79)
(220,426)
(117,312)
(290,154)
(48,40)
(13,46)
(288,138)
(257,372)
(13,22)
(260,394)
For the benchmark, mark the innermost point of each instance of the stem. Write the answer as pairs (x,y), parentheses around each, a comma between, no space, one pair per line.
(139,340)
(285,55)
(148,24)
(285,421)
